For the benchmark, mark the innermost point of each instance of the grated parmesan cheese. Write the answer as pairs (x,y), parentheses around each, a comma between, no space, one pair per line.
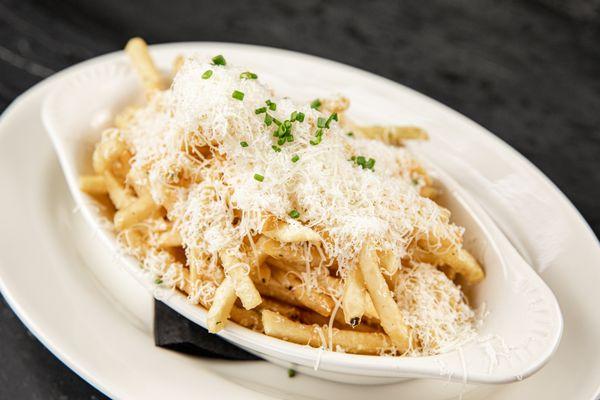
(186,146)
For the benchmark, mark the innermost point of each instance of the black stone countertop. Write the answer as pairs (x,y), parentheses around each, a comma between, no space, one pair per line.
(529,71)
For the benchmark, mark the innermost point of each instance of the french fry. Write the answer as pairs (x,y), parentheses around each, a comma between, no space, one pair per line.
(389,313)
(353,299)
(239,271)
(311,299)
(135,212)
(458,262)
(393,135)
(278,326)
(311,318)
(137,49)
(170,238)
(119,195)
(107,151)
(389,262)
(93,184)
(221,306)
(290,233)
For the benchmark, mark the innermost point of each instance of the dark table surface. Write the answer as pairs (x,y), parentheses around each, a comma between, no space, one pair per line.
(529,71)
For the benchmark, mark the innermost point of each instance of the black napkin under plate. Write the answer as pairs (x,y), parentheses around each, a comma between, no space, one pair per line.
(175,332)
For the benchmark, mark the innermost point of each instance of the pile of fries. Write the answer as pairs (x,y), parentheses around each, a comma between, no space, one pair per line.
(280,281)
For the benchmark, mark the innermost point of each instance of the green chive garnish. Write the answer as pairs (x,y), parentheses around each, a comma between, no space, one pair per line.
(238,95)
(244,144)
(219,60)
(300,117)
(370,164)
(294,214)
(277,149)
(259,177)
(316,104)
(272,106)
(207,74)
(350,134)
(321,122)
(291,373)
(268,120)
(260,110)
(248,75)
(332,117)
(158,281)
(295,158)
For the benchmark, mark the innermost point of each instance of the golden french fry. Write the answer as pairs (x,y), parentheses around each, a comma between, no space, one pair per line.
(311,299)
(337,104)
(286,256)
(311,318)
(353,299)
(290,233)
(394,135)
(389,262)
(246,318)
(239,272)
(170,238)
(282,308)
(136,212)
(278,326)
(221,306)
(389,313)
(110,149)
(92,184)
(457,262)
(119,195)
(137,49)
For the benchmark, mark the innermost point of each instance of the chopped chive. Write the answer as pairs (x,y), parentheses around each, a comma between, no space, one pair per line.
(294,214)
(277,149)
(316,104)
(370,163)
(321,122)
(332,117)
(158,281)
(272,106)
(281,141)
(316,141)
(360,160)
(300,117)
(219,60)
(259,177)
(290,138)
(248,75)
(293,116)
(260,110)
(244,144)
(207,74)
(238,95)
(291,373)
(268,120)
(350,134)
(295,158)
(277,122)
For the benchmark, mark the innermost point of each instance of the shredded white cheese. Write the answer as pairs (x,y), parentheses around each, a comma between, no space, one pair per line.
(210,159)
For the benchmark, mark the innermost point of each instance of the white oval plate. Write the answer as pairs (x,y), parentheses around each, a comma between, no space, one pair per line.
(518,336)
(41,288)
